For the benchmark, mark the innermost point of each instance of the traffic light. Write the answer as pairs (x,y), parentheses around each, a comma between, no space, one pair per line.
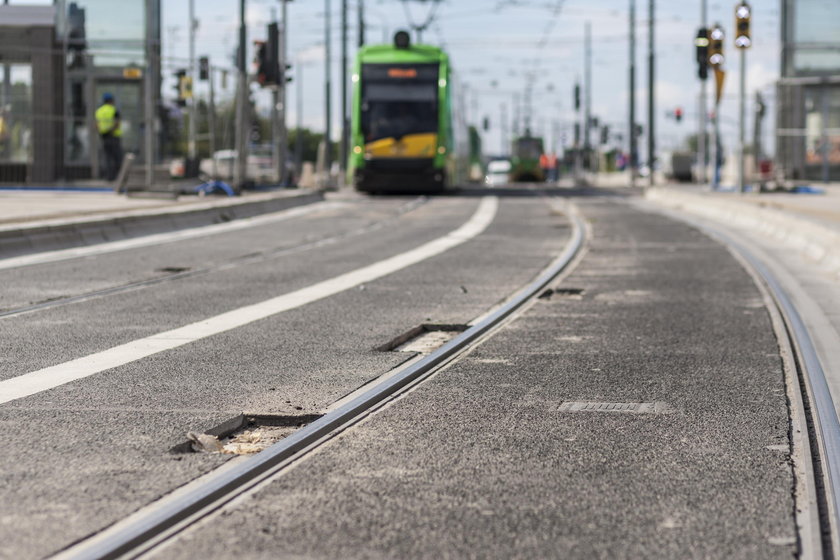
(743,12)
(203,68)
(701,44)
(272,55)
(678,114)
(605,134)
(180,77)
(285,74)
(716,37)
(261,60)
(577,97)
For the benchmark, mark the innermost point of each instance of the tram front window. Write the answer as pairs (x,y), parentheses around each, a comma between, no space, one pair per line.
(397,110)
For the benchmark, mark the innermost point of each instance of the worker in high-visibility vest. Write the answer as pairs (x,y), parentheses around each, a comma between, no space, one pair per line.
(108,124)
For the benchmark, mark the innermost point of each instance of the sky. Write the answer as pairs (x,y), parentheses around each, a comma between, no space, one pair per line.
(493,44)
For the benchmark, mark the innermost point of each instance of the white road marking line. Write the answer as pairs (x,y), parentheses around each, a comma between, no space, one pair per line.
(161,238)
(48,378)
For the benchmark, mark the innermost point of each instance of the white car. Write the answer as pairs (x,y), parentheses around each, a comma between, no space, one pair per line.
(498,173)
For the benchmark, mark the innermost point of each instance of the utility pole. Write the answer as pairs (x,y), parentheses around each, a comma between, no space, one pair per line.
(701,116)
(327,93)
(283,133)
(7,78)
(276,145)
(361,23)
(191,148)
(240,171)
(743,14)
(503,129)
(631,128)
(299,120)
(516,114)
(651,94)
(343,156)
(587,86)
(211,121)
(149,97)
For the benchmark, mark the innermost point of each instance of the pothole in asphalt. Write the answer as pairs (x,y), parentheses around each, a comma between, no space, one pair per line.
(424,339)
(245,434)
(173,269)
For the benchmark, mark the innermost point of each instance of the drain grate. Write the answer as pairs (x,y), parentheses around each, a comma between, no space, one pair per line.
(424,339)
(245,434)
(637,407)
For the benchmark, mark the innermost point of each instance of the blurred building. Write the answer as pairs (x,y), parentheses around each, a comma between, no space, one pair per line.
(57,61)
(808,118)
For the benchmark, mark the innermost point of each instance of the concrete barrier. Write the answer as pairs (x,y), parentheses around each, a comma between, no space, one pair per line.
(65,233)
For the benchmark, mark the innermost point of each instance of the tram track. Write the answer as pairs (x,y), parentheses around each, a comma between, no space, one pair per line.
(159,522)
(228,264)
(814,429)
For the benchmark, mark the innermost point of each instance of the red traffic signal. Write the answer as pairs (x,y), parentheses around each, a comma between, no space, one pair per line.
(678,114)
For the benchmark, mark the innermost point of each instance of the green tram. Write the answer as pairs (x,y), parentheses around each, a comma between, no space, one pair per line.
(525,159)
(401,119)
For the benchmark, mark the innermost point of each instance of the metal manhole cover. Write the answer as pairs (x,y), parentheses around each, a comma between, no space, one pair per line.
(636,408)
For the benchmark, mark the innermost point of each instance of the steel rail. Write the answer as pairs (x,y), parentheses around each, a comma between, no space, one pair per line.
(827,426)
(813,383)
(133,538)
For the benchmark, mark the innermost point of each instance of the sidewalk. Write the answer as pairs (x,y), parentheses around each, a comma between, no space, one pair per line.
(37,220)
(809,223)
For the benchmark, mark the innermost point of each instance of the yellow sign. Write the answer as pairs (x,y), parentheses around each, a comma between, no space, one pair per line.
(132,73)
(186,87)
(720,75)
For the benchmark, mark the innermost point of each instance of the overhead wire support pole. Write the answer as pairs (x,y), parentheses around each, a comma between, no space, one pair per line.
(283,132)
(587,86)
(361,23)
(240,175)
(149,97)
(343,155)
(651,94)
(191,147)
(327,93)
(631,126)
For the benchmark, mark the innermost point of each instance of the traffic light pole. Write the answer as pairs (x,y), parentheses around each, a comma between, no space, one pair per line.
(701,114)
(280,104)
(631,126)
(742,110)
(191,147)
(651,95)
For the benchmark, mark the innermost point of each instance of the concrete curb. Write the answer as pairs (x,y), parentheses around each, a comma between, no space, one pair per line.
(51,235)
(815,241)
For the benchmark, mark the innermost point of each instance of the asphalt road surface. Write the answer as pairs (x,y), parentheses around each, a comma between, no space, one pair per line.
(681,451)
